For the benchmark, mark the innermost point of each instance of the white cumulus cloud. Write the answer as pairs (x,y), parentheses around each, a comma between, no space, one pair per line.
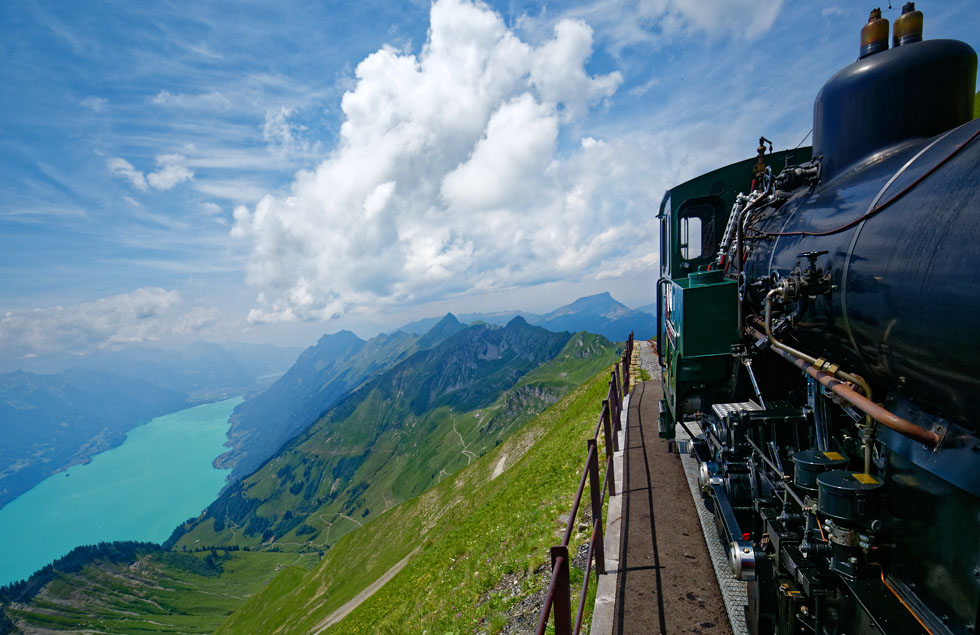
(170,172)
(278,131)
(148,314)
(449,177)
(123,168)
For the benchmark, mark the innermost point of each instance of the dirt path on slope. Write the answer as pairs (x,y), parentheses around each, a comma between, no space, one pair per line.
(469,455)
(358,599)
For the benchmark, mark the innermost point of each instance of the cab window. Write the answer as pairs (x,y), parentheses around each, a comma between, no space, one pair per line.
(691,238)
(698,240)
(664,217)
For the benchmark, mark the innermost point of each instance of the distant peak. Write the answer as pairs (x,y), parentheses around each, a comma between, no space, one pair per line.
(517,321)
(604,296)
(339,336)
(444,328)
(344,333)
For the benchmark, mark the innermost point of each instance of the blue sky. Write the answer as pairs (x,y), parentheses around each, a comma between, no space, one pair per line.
(272,171)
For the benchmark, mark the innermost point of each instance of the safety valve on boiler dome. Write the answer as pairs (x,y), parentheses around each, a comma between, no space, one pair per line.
(874,35)
(908,26)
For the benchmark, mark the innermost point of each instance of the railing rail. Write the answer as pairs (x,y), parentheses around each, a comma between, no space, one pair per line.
(557,599)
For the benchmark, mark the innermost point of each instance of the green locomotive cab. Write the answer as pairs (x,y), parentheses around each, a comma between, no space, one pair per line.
(697,298)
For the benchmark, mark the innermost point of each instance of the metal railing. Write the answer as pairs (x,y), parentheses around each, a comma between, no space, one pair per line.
(558,598)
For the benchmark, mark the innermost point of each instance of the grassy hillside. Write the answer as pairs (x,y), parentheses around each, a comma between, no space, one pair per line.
(321,377)
(165,592)
(415,426)
(476,546)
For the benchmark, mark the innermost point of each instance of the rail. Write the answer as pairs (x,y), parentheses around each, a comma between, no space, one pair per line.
(558,598)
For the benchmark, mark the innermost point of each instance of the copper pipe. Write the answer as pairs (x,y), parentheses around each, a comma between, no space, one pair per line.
(885,417)
(838,373)
(868,435)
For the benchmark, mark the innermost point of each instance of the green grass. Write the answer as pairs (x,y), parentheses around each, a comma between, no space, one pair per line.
(155,595)
(406,454)
(467,533)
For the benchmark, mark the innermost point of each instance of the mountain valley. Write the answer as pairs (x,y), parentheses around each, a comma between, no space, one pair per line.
(395,436)
(469,554)
(355,433)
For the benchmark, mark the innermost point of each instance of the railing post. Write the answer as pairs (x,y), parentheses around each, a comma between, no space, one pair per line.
(614,400)
(562,607)
(612,441)
(596,492)
(626,376)
(612,391)
(619,389)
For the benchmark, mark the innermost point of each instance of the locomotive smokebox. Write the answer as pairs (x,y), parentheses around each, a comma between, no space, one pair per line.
(914,91)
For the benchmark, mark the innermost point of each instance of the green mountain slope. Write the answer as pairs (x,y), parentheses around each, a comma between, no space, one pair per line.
(480,541)
(410,428)
(164,592)
(474,547)
(321,376)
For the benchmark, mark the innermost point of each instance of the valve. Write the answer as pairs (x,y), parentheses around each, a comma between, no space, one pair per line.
(789,288)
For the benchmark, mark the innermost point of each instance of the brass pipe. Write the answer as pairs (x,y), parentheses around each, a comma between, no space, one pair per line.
(836,372)
(869,441)
(885,417)
(867,438)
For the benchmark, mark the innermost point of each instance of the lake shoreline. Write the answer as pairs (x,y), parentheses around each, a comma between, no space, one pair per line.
(140,489)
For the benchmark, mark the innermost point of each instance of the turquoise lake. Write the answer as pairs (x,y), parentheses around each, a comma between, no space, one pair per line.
(141,490)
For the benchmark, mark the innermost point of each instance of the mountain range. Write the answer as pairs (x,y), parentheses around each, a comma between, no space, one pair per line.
(402,430)
(601,314)
(340,362)
(141,383)
(322,375)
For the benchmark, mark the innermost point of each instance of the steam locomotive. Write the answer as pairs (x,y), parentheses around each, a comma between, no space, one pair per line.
(819,336)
